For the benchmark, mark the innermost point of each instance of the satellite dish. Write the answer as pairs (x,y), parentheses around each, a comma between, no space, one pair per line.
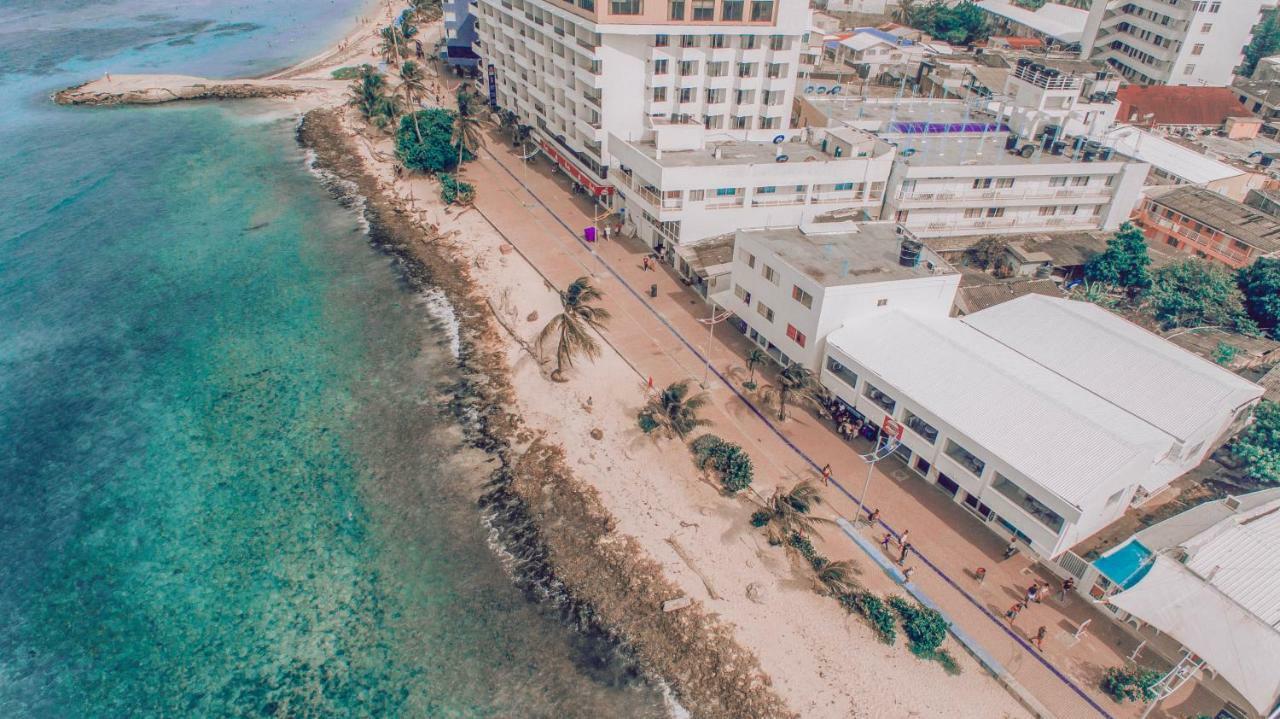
(822,89)
(836,90)
(781,158)
(779,139)
(808,89)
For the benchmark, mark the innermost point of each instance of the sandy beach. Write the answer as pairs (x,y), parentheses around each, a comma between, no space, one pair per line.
(624,521)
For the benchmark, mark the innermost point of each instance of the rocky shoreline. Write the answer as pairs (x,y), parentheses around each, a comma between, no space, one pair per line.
(101,94)
(562,538)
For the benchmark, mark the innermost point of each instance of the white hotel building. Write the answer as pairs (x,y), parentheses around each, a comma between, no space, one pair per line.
(575,71)
(1045,417)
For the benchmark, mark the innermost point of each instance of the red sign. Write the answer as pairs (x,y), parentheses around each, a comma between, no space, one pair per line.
(572,170)
(892,428)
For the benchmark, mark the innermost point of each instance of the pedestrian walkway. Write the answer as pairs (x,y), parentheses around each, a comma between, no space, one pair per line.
(663,338)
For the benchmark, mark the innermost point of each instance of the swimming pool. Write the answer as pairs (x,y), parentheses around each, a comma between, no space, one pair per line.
(1127,564)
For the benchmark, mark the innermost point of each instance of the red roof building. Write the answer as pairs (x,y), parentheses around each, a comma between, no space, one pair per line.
(1179,106)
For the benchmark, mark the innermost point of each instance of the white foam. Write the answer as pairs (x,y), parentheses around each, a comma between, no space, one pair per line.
(346,189)
(437,305)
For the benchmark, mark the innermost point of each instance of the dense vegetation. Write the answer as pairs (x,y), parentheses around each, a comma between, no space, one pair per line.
(961,24)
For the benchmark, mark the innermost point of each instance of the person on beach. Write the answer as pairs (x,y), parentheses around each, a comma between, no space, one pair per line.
(902,538)
(980,574)
(885,540)
(644,263)
(826,474)
(1032,594)
(1011,550)
(906,547)
(873,517)
(1012,614)
(1067,586)
(1039,639)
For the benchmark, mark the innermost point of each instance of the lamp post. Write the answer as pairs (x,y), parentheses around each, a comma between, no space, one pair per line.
(891,430)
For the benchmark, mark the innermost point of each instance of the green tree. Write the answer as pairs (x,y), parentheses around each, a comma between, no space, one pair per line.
(1130,685)
(391,46)
(1259,445)
(1124,263)
(468,103)
(754,358)
(674,411)
(1197,293)
(413,84)
(1260,284)
(1224,354)
(466,136)
(1266,41)
(435,152)
(368,94)
(790,512)
(838,578)
(795,382)
(962,24)
(988,251)
(572,327)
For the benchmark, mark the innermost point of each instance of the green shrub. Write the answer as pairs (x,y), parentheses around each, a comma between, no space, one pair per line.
(436,151)
(647,422)
(761,517)
(1130,685)
(877,614)
(455,192)
(948,662)
(727,459)
(346,73)
(926,628)
(703,447)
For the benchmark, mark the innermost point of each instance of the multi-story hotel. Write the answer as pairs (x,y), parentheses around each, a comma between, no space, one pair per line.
(576,71)
(1171,42)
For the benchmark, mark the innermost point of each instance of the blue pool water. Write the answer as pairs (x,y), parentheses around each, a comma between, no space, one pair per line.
(226,488)
(1127,564)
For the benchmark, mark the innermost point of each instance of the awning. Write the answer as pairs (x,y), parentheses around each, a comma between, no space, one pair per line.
(1233,641)
(566,163)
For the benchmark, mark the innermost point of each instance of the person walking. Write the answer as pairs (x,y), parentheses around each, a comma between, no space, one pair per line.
(906,547)
(980,574)
(1067,585)
(1039,639)
(1011,550)
(885,540)
(644,263)
(1032,594)
(873,517)
(605,232)
(906,574)
(826,474)
(902,538)
(1012,613)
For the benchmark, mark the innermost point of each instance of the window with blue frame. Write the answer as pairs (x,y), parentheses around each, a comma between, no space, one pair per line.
(767,189)
(726,191)
(844,186)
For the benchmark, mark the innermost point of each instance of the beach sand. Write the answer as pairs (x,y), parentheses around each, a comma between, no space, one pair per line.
(819,660)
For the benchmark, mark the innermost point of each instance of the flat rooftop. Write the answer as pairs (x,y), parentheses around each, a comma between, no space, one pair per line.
(748,152)
(835,254)
(1247,224)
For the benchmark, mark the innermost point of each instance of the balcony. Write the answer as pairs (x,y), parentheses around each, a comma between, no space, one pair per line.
(1100,193)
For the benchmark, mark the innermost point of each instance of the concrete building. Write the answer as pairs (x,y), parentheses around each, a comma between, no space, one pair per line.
(1187,110)
(1045,417)
(791,287)
(1175,164)
(574,71)
(1199,222)
(1053,24)
(681,183)
(1185,42)
(460,35)
(1058,96)
(868,52)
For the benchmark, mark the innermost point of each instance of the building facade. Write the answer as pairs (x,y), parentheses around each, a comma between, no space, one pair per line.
(460,35)
(572,70)
(1208,225)
(1171,42)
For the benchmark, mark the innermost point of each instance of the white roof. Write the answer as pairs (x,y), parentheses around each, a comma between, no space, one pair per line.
(1150,377)
(1223,603)
(862,40)
(1060,22)
(1167,155)
(1069,441)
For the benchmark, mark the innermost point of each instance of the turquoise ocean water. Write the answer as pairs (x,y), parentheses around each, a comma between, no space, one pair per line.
(226,486)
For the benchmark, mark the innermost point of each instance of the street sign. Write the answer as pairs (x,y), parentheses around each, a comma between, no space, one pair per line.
(892,428)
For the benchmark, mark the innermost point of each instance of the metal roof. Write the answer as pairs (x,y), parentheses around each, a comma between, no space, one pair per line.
(1071,442)
(1247,224)
(1097,351)
(1167,155)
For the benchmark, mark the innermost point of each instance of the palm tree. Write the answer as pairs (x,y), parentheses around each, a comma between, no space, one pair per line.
(368,92)
(675,412)
(390,47)
(573,326)
(413,83)
(388,111)
(466,102)
(466,135)
(755,357)
(795,380)
(425,9)
(838,578)
(789,512)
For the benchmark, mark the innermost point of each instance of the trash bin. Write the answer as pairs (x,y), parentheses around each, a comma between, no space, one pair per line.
(653,290)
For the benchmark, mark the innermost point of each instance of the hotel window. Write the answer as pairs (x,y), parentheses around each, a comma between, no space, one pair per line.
(995,212)
(972,212)
(1080,181)
(661,40)
(719,41)
(1057,182)
(761,10)
(776,70)
(742,294)
(688,67)
(704,10)
(763,310)
(842,372)
(773,97)
(842,186)
(717,69)
(882,303)
(660,67)
(981,183)
(965,458)
(747,258)
(746,69)
(686,94)
(744,97)
(690,41)
(730,192)
(1048,211)
(1207,27)
(926,431)
(881,399)
(1197,48)
(795,335)
(770,123)
(1004,183)
(777,42)
(715,95)
(769,274)
(659,94)
(731,10)
(699,196)
(766,190)
(748,42)
(742,122)
(712,122)
(675,10)
(624,7)
(1189,70)
(1027,503)
(802,297)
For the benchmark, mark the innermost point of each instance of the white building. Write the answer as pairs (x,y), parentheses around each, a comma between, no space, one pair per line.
(1056,24)
(680,184)
(1175,164)
(1060,97)
(869,51)
(575,71)
(792,286)
(1044,417)
(959,171)
(1188,42)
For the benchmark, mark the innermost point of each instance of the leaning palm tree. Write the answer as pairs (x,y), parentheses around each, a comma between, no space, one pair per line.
(388,111)
(794,381)
(837,578)
(789,512)
(390,48)
(413,84)
(572,327)
(675,412)
(466,135)
(368,92)
(755,357)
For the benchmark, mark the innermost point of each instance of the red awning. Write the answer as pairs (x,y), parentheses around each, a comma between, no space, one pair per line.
(566,164)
